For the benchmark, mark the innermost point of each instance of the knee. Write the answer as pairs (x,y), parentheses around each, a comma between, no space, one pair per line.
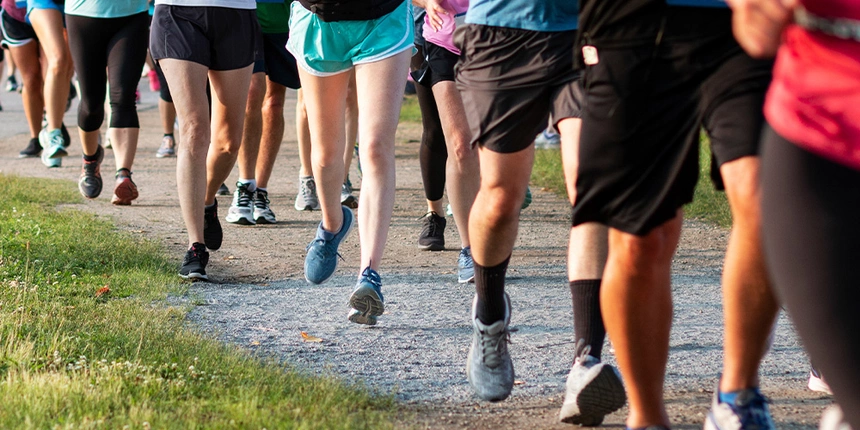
(644,255)
(91,116)
(273,107)
(464,155)
(500,203)
(376,155)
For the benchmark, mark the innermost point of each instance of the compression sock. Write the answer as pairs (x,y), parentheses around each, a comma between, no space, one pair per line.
(587,319)
(490,288)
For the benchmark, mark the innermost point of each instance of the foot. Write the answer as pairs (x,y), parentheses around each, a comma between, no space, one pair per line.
(262,212)
(321,258)
(167,148)
(242,209)
(11,84)
(125,190)
(52,147)
(306,199)
(593,390)
(489,368)
(346,197)
(465,266)
(548,139)
(33,149)
(748,411)
(432,236)
(366,300)
(90,183)
(194,264)
(212,233)
(528,198)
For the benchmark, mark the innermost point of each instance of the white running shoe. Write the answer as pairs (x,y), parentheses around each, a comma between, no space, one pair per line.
(306,199)
(242,209)
(593,390)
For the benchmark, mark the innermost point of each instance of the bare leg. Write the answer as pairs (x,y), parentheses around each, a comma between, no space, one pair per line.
(167,111)
(48,25)
(380,93)
(27,59)
(124,142)
(351,124)
(303,134)
(273,131)
(463,174)
(636,302)
(748,302)
(253,129)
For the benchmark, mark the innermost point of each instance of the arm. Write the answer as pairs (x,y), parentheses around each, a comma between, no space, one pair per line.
(434,9)
(758,24)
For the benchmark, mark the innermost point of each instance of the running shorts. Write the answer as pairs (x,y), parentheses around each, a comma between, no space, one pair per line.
(506,112)
(216,37)
(15,33)
(329,48)
(438,65)
(44,4)
(279,65)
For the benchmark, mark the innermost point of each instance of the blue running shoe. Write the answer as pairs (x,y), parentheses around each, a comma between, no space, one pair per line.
(465,266)
(367,301)
(749,411)
(321,259)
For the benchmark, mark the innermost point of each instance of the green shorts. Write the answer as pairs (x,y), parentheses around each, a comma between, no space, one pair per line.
(328,48)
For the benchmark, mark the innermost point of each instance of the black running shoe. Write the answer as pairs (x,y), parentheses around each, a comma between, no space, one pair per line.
(90,184)
(223,190)
(73,92)
(432,237)
(67,140)
(33,149)
(212,233)
(194,264)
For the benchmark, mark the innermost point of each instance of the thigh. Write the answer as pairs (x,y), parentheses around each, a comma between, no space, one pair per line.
(177,33)
(127,55)
(234,36)
(88,42)
(49,27)
(380,87)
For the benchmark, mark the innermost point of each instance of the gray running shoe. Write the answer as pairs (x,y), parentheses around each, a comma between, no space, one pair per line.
(489,368)
(242,209)
(593,390)
(346,197)
(465,266)
(306,199)
(262,212)
(167,148)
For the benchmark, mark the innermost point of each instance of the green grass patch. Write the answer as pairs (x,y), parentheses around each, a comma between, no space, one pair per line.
(73,358)
(410,111)
(708,204)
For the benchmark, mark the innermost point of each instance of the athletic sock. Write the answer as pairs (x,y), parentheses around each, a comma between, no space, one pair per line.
(94,157)
(120,173)
(587,319)
(251,183)
(262,189)
(490,288)
(168,134)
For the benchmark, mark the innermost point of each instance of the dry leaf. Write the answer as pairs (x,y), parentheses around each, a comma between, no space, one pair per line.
(308,338)
(255,343)
(102,291)
(519,382)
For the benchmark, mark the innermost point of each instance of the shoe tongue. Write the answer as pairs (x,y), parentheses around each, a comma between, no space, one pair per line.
(746,397)
(493,329)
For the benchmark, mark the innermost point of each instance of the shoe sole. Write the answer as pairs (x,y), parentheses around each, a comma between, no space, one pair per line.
(20,155)
(194,276)
(362,318)
(165,155)
(466,281)
(240,220)
(366,300)
(263,220)
(432,247)
(60,153)
(124,194)
(602,396)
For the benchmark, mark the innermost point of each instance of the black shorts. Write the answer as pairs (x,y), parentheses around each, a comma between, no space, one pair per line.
(438,65)
(15,33)
(216,37)
(638,152)
(506,111)
(278,63)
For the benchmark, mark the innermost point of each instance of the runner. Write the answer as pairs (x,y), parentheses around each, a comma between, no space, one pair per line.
(461,170)
(264,116)
(107,48)
(374,38)
(810,178)
(217,39)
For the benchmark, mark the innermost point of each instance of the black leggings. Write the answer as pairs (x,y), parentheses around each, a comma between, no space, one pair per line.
(118,45)
(433,155)
(811,233)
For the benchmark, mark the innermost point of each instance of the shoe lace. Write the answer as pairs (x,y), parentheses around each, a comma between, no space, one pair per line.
(166,143)
(262,200)
(465,259)
(371,276)
(493,346)
(431,224)
(325,250)
(752,411)
(243,197)
(308,189)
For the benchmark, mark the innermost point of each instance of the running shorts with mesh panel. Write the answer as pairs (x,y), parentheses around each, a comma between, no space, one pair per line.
(506,112)
(329,48)
(216,37)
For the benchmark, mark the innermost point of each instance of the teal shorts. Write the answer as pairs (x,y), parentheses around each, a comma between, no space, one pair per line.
(328,48)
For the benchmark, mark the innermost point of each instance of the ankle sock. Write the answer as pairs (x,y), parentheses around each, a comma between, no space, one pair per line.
(251,183)
(94,157)
(123,172)
(587,319)
(490,289)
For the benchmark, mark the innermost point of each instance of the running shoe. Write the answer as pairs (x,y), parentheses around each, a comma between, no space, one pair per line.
(346,197)
(33,149)
(593,390)
(125,189)
(262,212)
(817,382)
(749,411)
(242,209)
(194,263)
(548,139)
(366,300)
(53,144)
(528,199)
(90,183)
(223,190)
(306,199)
(167,148)
(154,84)
(11,84)
(489,368)
(432,236)
(322,255)
(465,266)
(67,139)
(212,233)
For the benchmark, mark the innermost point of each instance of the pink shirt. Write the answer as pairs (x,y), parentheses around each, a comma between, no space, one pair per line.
(445,36)
(13,11)
(814,99)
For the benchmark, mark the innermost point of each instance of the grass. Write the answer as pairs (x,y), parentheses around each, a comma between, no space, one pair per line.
(410,111)
(708,204)
(88,339)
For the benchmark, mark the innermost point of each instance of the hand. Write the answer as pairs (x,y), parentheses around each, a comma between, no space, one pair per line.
(758,24)
(434,10)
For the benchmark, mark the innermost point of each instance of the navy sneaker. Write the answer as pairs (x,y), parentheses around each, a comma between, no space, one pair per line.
(367,301)
(748,411)
(321,259)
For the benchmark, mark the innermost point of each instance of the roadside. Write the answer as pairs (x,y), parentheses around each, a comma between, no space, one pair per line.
(260,301)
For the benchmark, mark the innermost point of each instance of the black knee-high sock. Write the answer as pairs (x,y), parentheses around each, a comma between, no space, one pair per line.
(587,319)
(490,288)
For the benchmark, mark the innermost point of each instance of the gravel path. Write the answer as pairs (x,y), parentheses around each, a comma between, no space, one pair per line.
(260,301)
